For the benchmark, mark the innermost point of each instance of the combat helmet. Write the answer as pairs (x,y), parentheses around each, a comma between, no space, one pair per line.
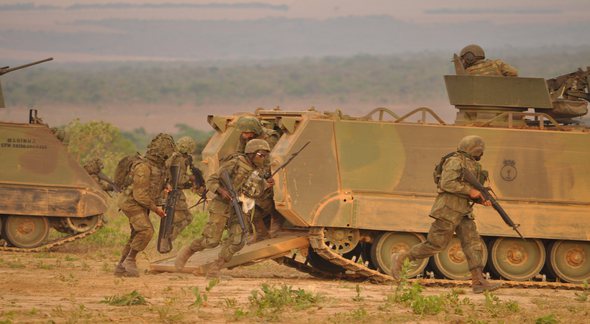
(162,146)
(186,145)
(471,54)
(472,145)
(256,145)
(249,124)
(93,166)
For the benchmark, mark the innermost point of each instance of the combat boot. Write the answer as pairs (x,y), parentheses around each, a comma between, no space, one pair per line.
(165,246)
(479,284)
(397,261)
(130,264)
(120,270)
(182,257)
(214,270)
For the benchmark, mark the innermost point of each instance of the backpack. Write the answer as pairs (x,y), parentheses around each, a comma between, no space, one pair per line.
(123,171)
(439,167)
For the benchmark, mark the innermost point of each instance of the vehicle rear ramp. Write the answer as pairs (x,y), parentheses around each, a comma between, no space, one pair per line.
(283,244)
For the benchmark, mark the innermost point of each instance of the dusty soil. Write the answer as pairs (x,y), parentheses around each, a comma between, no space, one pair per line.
(73,287)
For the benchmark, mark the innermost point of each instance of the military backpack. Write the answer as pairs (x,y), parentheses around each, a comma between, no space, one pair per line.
(123,176)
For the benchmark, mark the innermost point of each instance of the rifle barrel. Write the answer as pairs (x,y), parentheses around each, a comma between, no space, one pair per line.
(8,69)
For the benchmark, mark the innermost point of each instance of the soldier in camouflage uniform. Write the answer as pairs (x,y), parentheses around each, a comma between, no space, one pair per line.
(142,197)
(94,168)
(252,128)
(183,159)
(221,213)
(452,211)
(475,63)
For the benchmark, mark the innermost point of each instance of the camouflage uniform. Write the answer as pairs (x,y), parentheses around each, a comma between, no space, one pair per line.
(182,159)
(491,67)
(474,60)
(453,212)
(221,212)
(94,167)
(141,197)
(265,203)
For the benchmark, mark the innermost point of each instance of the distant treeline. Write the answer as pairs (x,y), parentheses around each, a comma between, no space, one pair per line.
(378,79)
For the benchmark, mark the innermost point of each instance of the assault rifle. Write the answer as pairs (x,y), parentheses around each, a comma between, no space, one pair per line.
(166,223)
(104,177)
(226,182)
(470,178)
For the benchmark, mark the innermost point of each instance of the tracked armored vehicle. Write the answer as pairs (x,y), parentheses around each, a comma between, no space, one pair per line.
(364,186)
(43,187)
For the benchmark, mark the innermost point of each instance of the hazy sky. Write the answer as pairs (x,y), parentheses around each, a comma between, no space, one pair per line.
(58,13)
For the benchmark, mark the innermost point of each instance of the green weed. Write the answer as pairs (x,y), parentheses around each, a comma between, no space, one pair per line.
(41,265)
(547,319)
(167,313)
(358,296)
(201,297)
(267,302)
(70,258)
(583,296)
(130,299)
(496,308)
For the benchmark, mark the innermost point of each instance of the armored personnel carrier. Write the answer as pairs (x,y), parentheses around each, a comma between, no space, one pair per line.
(363,187)
(43,187)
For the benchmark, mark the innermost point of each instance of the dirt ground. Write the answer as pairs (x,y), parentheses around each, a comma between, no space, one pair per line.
(74,287)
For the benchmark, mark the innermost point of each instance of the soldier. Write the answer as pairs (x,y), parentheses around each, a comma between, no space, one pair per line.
(221,214)
(94,168)
(452,211)
(141,197)
(183,159)
(475,63)
(252,128)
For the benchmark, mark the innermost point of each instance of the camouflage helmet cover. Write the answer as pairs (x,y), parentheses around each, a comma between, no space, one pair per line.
(162,145)
(93,166)
(256,145)
(472,53)
(472,145)
(186,145)
(249,124)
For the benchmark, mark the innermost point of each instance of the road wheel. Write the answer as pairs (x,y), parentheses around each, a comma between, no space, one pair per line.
(390,242)
(570,260)
(517,259)
(451,262)
(82,224)
(26,231)
(341,240)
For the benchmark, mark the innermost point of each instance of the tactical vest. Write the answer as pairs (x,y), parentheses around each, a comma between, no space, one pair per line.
(485,67)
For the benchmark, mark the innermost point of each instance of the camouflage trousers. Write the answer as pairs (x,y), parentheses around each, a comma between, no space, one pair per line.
(182,219)
(441,233)
(142,229)
(219,213)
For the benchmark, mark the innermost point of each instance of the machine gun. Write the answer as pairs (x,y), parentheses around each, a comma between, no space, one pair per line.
(7,69)
(470,178)
(166,223)
(226,182)
(199,181)
(574,84)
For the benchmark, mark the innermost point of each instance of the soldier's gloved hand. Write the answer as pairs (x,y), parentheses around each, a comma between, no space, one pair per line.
(160,212)
(224,193)
(270,182)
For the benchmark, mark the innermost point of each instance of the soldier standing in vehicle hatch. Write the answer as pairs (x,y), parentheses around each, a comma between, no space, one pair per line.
(221,213)
(141,197)
(475,63)
(453,212)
